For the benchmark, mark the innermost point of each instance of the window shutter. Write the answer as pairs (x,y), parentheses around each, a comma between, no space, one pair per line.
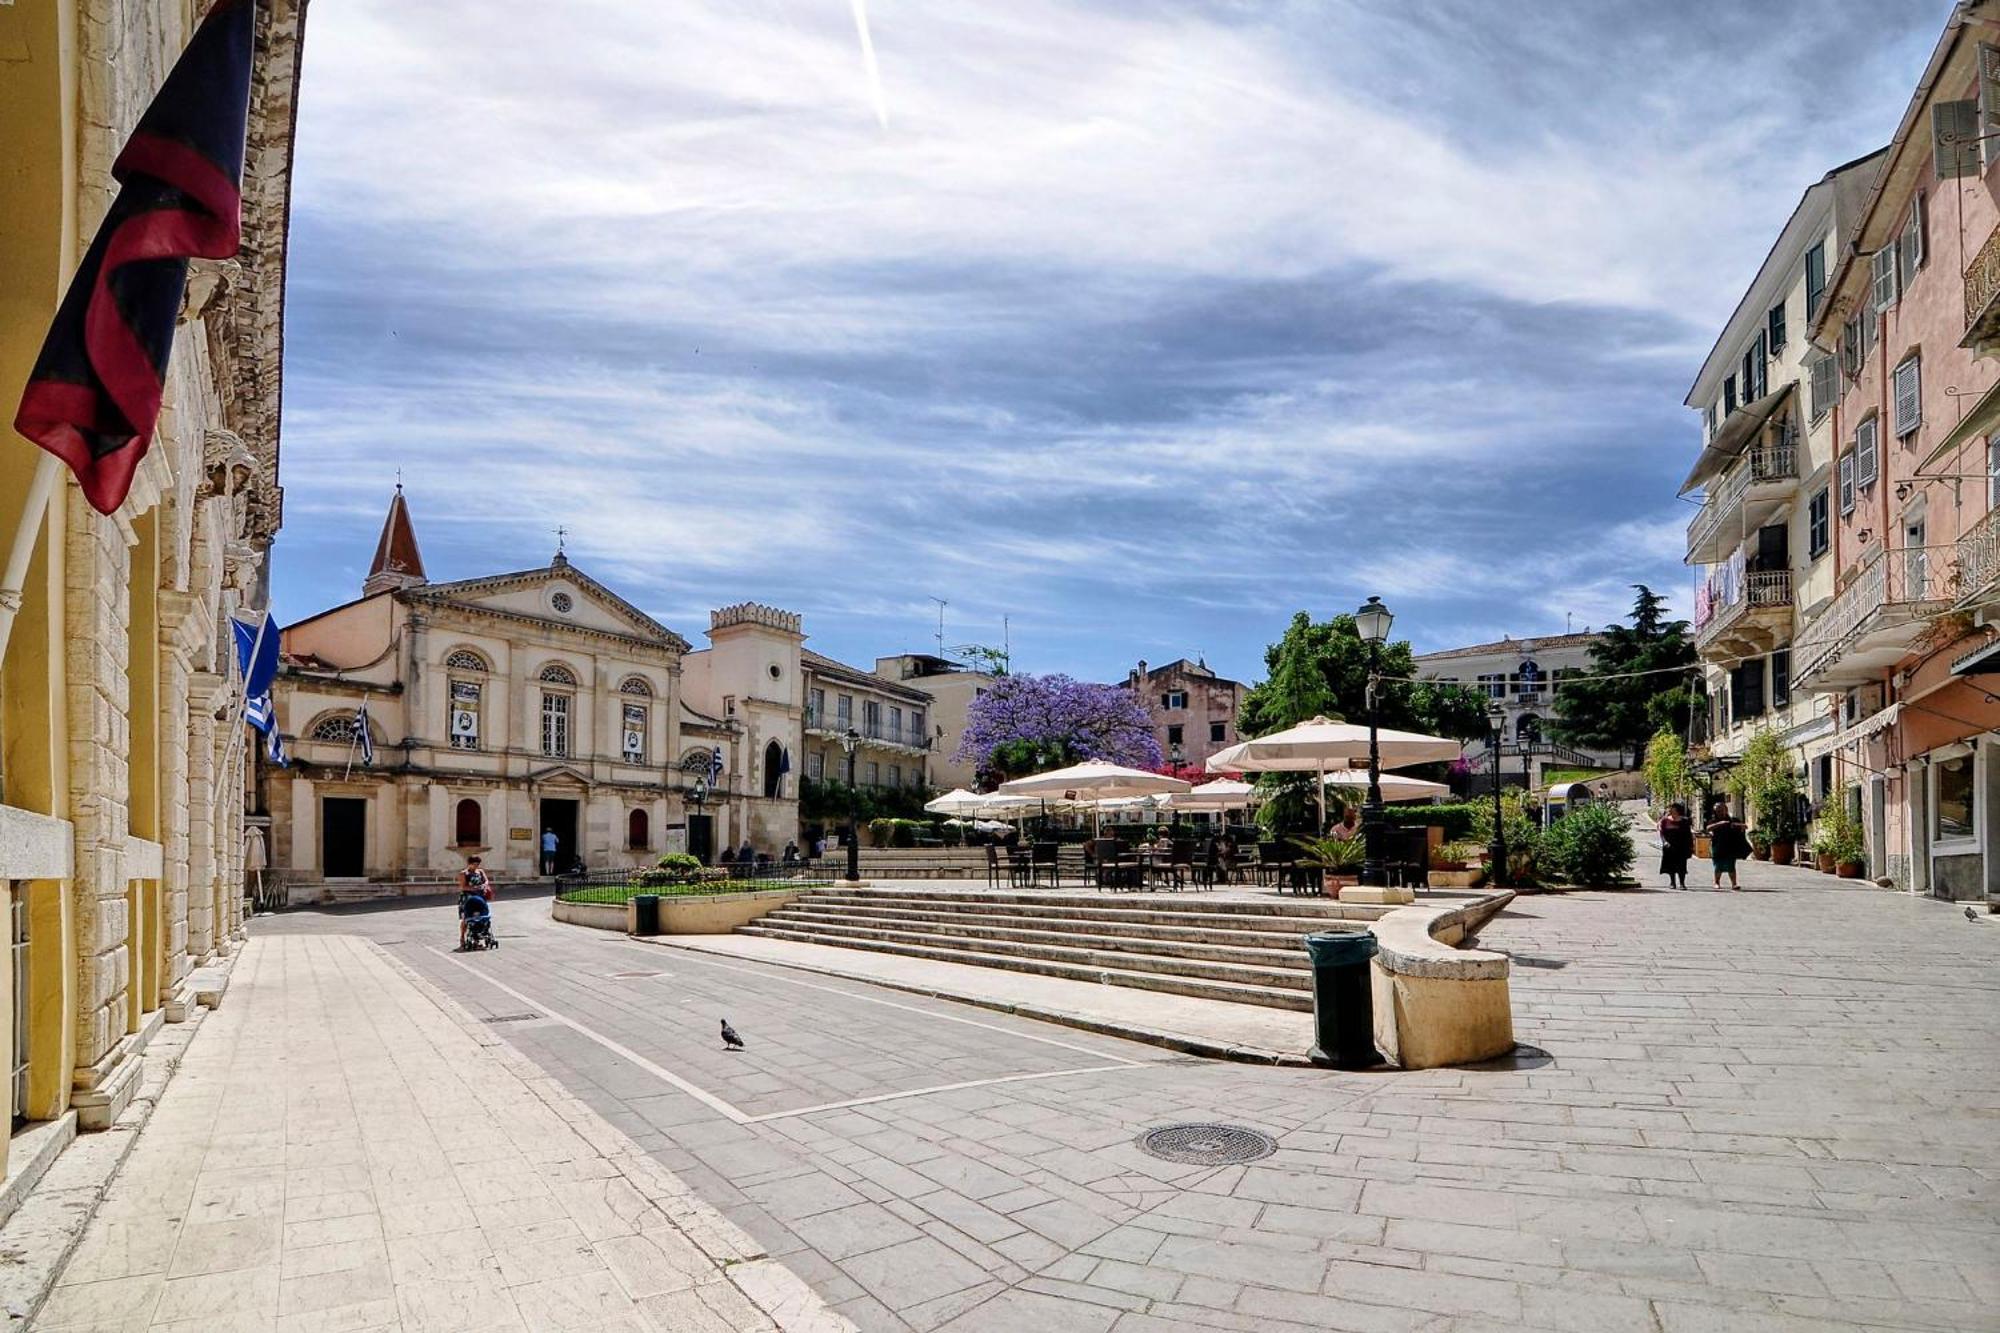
(1815,279)
(1916,236)
(1850,348)
(1885,276)
(1865,454)
(1822,386)
(1729,395)
(1775,328)
(1955,147)
(1847,484)
(1909,400)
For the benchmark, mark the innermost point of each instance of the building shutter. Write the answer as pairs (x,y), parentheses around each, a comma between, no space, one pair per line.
(1815,279)
(1910,251)
(1883,288)
(1955,136)
(1909,401)
(1864,454)
(1847,484)
(1774,331)
(1822,386)
(1729,395)
(1850,348)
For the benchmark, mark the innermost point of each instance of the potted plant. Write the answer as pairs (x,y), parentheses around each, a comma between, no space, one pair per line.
(1760,844)
(1840,846)
(1339,861)
(1458,865)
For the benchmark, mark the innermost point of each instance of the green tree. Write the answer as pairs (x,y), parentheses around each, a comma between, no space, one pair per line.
(1669,775)
(1320,669)
(1634,686)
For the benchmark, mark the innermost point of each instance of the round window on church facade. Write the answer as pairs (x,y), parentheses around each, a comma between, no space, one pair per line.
(561,602)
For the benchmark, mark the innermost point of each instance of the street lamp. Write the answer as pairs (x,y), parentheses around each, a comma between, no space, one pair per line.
(850,741)
(1373,621)
(1496,850)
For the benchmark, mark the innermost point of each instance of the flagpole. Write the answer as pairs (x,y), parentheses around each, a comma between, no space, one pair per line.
(33,510)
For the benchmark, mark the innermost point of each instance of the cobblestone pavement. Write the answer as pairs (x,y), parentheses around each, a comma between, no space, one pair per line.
(1768,1110)
(341,1149)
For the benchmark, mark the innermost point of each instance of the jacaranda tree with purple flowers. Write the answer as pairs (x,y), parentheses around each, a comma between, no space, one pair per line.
(1028,724)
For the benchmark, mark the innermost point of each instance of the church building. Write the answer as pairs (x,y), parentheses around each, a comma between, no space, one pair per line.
(513,708)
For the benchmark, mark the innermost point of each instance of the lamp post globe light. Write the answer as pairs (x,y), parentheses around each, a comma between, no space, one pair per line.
(1373,621)
(850,741)
(1496,850)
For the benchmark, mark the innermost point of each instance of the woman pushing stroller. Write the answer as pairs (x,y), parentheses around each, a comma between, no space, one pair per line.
(475,917)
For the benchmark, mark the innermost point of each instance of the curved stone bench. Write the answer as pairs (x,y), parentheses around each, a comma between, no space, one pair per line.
(1437,1004)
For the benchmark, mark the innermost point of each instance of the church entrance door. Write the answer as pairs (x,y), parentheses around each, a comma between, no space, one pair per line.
(561,817)
(701,837)
(344,837)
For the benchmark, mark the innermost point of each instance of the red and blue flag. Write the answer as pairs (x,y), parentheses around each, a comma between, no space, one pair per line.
(93,399)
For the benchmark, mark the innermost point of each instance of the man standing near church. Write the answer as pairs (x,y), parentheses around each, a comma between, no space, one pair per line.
(548,851)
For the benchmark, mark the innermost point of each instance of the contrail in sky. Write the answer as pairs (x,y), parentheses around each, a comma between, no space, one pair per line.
(868,59)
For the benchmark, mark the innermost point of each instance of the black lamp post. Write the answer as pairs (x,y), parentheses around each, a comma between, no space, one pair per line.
(850,741)
(1496,850)
(1373,621)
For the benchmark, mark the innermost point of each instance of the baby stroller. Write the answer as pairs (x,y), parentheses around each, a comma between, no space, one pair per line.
(478,919)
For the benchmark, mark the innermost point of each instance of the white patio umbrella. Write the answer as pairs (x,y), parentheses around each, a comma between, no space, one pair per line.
(1094,780)
(1395,786)
(956,802)
(1221,794)
(1322,746)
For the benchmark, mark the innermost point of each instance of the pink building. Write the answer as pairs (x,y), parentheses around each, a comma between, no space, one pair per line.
(1193,709)
(1904,652)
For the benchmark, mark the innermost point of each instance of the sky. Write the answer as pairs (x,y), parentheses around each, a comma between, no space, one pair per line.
(1126,330)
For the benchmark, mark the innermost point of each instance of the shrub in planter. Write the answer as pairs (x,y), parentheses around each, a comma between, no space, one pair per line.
(1340,859)
(1591,846)
(1760,844)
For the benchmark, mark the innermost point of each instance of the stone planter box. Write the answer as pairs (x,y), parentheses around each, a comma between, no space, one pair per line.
(1457,879)
(682,914)
(1437,1003)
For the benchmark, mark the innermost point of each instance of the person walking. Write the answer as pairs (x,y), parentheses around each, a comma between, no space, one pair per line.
(1676,845)
(549,844)
(1727,844)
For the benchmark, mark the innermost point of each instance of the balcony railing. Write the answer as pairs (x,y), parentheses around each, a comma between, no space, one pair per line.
(1982,291)
(883,733)
(1908,581)
(1771,462)
(1761,590)
(1979,562)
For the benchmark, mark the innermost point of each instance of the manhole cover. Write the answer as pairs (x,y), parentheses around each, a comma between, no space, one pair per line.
(1207,1145)
(509,1018)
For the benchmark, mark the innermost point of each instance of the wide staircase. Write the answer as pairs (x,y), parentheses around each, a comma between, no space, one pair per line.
(1212,948)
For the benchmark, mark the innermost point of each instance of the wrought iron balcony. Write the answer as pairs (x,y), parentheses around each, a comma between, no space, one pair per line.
(1872,624)
(1979,563)
(1982,296)
(1740,618)
(1758,482)
(871,733)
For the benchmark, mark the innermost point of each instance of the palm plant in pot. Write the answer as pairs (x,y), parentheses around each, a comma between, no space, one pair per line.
(1338,859)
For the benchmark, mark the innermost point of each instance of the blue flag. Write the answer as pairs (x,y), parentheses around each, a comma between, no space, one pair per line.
(256,655)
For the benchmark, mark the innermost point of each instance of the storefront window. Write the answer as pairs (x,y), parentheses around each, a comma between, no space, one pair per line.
(1954,804)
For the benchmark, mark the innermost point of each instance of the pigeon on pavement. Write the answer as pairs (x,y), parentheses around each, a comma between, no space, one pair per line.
(730,1041)
(1971,915)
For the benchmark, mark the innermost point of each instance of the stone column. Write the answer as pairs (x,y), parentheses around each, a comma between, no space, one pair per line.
(96,652)
(203,687)
(178,629)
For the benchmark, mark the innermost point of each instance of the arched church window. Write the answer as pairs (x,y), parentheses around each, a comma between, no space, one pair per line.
(634,685)
(464,659)
(555,673)
(333,727)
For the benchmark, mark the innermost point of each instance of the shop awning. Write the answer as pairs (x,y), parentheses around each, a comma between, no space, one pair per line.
(1860,731)
(1982,418)
(1981,661)
(1734,435)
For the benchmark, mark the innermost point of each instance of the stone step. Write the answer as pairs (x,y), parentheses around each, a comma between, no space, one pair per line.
(1141,936)
(1314,913)
(944,907)
(1272,997)
(1257,967)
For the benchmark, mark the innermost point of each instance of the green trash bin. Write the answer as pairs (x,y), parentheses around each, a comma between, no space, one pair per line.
(646,914)
(1343,998)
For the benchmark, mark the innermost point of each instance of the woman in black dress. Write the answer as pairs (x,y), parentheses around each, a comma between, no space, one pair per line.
(1676,845)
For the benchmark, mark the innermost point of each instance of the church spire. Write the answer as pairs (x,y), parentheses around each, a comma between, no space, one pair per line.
(398,563)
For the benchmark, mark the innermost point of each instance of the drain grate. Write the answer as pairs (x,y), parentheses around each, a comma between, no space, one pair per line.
(1207,1145)
(509,1018)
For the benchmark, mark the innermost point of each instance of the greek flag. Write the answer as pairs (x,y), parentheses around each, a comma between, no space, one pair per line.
(714,765)
(361,734)
(274,748)
(258,713)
